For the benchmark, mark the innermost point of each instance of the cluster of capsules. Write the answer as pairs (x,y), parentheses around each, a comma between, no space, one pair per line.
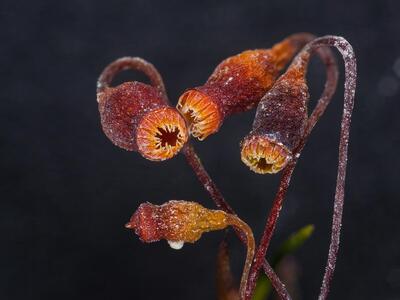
(136,117)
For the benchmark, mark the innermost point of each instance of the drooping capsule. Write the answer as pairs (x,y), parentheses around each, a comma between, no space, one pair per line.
(175,221)
(278,125)
(301,62)
(135,116)
(237,84)
(179,221)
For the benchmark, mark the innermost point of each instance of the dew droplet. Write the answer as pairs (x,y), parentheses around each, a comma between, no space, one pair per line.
(176,245)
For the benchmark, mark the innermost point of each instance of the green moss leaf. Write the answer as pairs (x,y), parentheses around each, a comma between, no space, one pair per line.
(294,242)
(263,288)
(289,246)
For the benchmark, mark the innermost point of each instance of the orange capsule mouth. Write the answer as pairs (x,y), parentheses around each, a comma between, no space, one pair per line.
(264,156)
(201,113)
(161,134)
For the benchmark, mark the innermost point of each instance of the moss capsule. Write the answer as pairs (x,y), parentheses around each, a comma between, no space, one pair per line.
(237,84)
(136,118)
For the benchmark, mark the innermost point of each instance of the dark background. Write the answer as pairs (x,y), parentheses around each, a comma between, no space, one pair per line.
(66,191)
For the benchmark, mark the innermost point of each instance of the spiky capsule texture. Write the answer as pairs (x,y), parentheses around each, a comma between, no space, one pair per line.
(278,125)
(175,221)
(136,118)
(236,85)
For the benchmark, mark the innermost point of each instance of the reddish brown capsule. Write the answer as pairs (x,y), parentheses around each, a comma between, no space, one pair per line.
(278,125)
(236,85)
(176,221)
(136,118)
(183,221)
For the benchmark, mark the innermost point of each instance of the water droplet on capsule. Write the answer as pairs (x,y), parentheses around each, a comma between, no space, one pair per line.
(176,245)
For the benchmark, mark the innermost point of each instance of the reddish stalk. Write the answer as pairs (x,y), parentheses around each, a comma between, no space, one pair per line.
(139,64)
(131,63)
(193,160)
(350,86)
(350,82)
(205,179)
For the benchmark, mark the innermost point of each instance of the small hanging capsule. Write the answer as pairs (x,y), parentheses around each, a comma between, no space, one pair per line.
(278,125)
(175,221)
(135,117)
(237,84)
(181,222)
